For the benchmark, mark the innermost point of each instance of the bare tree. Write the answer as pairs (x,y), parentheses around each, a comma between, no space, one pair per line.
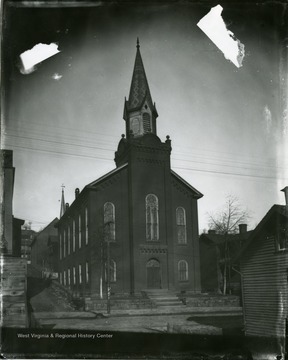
(225,222)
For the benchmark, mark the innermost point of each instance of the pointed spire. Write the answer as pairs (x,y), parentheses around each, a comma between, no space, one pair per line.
(139,89)
(62,206)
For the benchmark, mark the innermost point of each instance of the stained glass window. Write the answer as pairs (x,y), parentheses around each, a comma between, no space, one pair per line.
(182,270)
(152,218)
(181,225)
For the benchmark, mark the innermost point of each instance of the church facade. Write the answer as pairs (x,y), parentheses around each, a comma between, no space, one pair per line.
(141,218)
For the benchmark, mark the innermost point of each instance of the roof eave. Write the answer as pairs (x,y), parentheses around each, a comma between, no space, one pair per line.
(197,194)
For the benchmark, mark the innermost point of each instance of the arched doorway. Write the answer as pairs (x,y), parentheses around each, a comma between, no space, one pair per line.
(153,274)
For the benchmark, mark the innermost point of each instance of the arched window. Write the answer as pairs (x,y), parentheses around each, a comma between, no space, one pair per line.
(73,234)
(181,225)
(87,272)
(69,240)
(109,221)
(86,226)
(135,126)
(79,231)
(152,218)
(182,270)
(69,277)
(64,244)
(74,275)
(146,123)
(60,246)
(80,273)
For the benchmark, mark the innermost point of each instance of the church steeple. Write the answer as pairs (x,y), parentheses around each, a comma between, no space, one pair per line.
(139,111)
(140,114)
(62,206)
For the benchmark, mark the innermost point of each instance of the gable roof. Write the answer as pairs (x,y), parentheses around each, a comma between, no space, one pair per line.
(106,176)
(197,194)
(52,223)
(274,211)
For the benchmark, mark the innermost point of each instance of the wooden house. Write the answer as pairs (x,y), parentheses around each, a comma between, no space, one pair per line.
(264,269)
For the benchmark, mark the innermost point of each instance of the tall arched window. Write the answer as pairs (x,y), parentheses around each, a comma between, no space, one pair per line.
(86,226)
(73,234)
(79,231)
(181,225)
(135,126)
(152,218)
(69,240)
(74,275)
(64,244)
(109,221)
(60,246)
(146,123)
(80,273)
(182,270)
(87,272)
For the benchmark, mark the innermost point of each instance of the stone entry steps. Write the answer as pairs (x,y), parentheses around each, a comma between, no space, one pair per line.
(163,297)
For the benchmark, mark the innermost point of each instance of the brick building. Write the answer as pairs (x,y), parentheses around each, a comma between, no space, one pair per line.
(141,218)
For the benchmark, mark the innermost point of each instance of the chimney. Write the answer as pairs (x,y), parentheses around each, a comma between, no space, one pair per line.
(212,232)
(285,190)
(66,206)
(242,228)
(77,191)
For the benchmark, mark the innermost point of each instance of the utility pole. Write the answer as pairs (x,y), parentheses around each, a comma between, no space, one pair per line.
(108,285)
(108,277)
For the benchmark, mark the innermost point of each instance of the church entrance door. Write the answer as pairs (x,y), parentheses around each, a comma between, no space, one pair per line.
(153,274)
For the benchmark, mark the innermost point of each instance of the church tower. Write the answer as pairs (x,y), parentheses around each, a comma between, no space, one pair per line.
(155,195)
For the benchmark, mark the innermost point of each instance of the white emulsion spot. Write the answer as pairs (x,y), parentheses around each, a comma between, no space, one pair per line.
(268,119)
(214,27)
(56,76)
(34,56)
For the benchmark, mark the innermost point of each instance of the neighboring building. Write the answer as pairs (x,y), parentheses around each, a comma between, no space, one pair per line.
(264,268)
(44,250)
(141,218)
(13,269)
(27,236)
(10,237)
(212,260)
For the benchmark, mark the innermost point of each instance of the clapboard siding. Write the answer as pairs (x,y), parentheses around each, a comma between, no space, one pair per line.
(13,289)
(264,280)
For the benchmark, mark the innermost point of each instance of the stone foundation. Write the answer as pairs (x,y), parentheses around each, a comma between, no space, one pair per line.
(117,302)
(210,300)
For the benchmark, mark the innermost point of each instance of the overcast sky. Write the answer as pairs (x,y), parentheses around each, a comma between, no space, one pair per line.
(64,120)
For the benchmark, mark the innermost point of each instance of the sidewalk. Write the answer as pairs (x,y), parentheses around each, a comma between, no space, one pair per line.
(142,320)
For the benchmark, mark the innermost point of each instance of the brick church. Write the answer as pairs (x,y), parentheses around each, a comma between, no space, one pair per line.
(141,217)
